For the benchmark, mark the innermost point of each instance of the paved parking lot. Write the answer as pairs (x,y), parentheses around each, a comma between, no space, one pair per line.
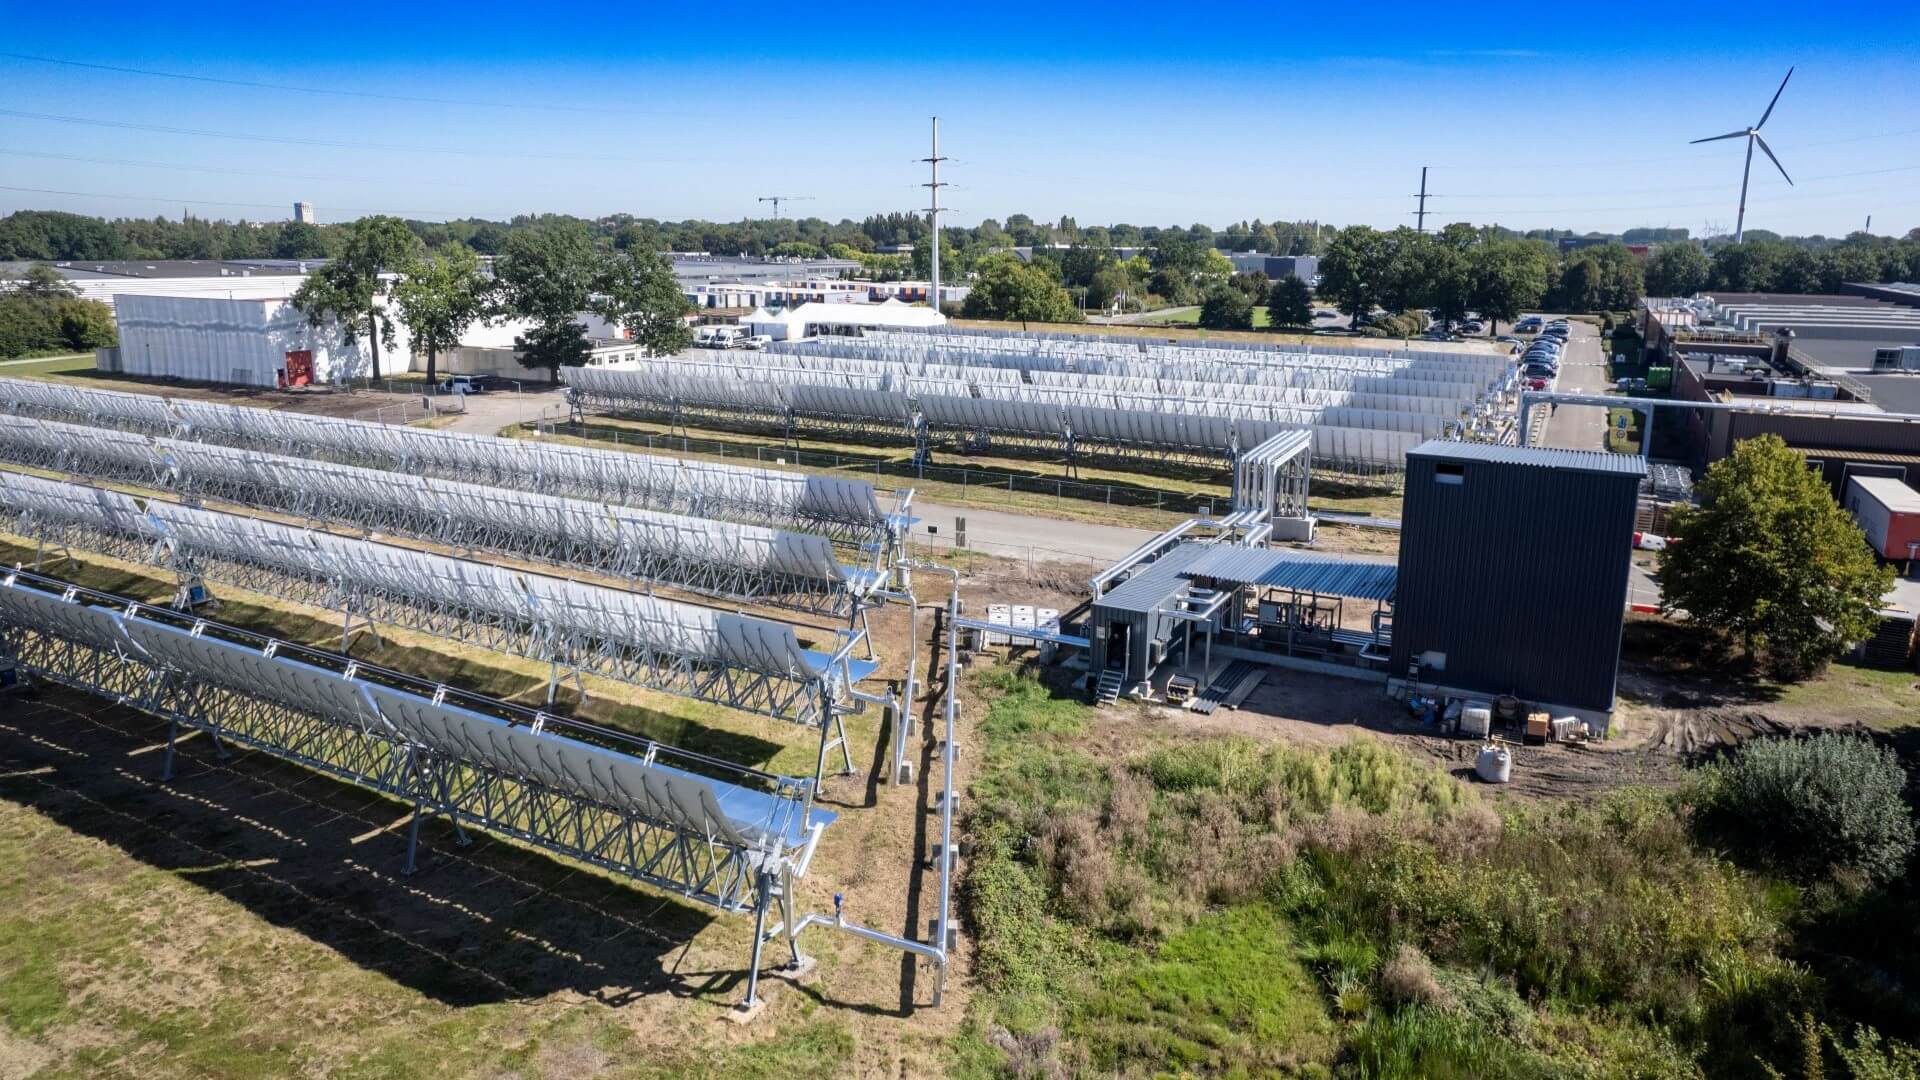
(1583,370)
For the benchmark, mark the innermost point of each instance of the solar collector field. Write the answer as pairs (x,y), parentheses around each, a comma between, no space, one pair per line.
(843,509)
(1124,396)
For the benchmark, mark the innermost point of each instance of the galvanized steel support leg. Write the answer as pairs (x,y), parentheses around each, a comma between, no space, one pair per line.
(759,939)
(860,616)
(166,763)
(413,837)
(846,753)
(786,919)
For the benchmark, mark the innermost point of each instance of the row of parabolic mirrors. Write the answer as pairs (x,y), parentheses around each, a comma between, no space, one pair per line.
(710,831)
(1118,395)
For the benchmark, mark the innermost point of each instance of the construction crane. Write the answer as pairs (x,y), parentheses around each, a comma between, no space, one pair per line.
(776,200)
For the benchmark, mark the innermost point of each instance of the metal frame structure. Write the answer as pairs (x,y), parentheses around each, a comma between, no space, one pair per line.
(708,831)
(842,509)
(1134,399)
(722,559)
(745,663)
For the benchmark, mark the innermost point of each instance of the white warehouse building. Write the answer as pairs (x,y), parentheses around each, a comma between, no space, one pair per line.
(262,342)
(266,342)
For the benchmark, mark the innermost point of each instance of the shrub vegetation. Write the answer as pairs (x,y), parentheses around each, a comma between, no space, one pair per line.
(1813,809)
(1222,907)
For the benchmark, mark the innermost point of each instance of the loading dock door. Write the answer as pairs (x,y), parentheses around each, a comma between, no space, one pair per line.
(299,369)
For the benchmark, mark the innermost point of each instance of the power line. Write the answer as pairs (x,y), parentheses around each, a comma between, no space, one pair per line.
(222,170)
(418,214)
(289,140)
(1669,206)
(1648,191)
(1694,157)
(369,95)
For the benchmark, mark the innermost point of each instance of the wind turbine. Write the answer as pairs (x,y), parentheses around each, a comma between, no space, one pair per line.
(1752,135)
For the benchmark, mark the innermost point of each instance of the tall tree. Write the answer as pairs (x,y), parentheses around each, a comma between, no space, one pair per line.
(1677,269)
(1226,308)
(547,275)
(1006,288)
(1603,278)
(439,296)
(1407,271)
(1290,303)
(45,282)
(1109,284)
(1771,560)
(348,289)
(1509,276)
(1352,269)
(637,289)
(1753,266)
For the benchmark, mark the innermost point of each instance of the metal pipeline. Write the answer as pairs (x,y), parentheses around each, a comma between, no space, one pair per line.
(936,952)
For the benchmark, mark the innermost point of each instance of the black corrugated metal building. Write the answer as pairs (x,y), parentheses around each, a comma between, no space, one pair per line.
(1513,571)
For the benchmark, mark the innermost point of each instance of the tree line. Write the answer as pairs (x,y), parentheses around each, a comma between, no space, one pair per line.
(1768,264)
(383,275)
(40,314)
(59,236)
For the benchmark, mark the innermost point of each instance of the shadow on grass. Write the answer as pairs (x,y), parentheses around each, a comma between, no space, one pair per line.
(487,923)
(1670,665)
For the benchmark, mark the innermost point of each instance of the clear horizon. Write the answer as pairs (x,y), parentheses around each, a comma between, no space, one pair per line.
(477,111)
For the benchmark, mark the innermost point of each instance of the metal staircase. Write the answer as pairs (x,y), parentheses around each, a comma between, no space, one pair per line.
(1107,690)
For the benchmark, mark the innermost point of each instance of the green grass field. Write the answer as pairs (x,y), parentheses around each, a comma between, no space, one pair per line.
(1191,317)
(41,367)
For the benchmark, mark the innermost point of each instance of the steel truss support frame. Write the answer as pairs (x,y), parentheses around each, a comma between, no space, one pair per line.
(843,511)
(736,878)
(578,536)
(812,701)
(567,654)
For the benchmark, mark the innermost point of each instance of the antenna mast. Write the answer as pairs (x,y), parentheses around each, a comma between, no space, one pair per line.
(933,211)
(1420,216)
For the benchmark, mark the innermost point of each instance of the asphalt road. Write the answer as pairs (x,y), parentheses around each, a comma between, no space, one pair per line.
(1583,370)
(1038,539)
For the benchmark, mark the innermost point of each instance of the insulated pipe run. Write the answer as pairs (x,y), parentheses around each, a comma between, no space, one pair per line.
(936,952)
(1529,398)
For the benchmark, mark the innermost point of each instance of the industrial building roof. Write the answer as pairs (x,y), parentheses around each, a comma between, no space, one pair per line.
(1268,568)
(1892,493)
(890,313)
(1594,461)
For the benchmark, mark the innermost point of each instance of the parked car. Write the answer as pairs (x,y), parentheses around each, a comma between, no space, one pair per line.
(1537,382)
(755,341)
(1473,326)
(463,384)
(1529,325)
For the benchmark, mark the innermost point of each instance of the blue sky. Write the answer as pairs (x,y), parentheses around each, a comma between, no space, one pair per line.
(1571,115)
